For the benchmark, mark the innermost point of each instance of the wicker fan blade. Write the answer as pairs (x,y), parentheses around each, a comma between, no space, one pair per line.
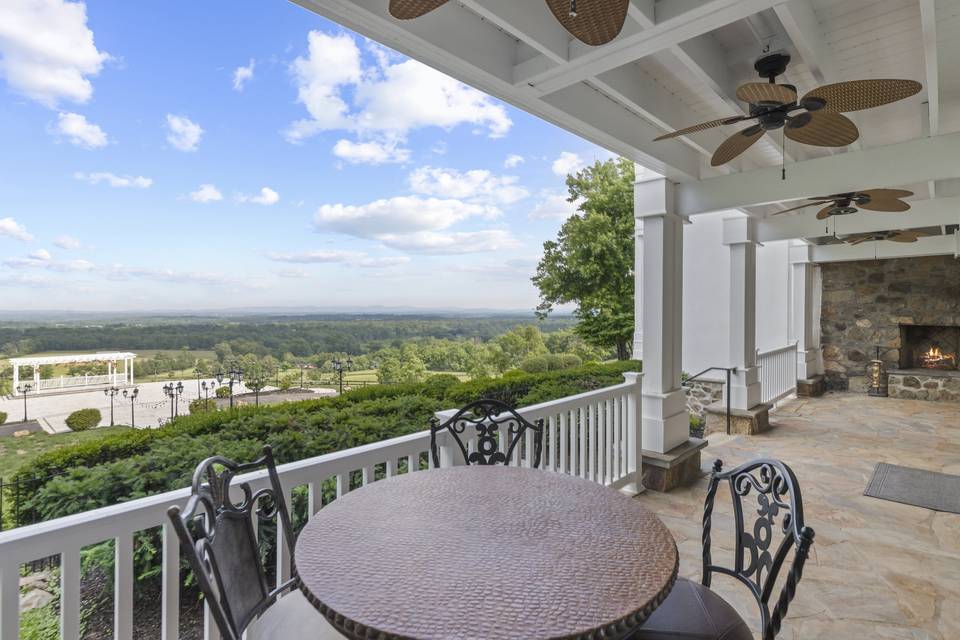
(822,129)
(410,9)
(595,22)
(884,205)
(700,127)
(886,194)
(859,94)
(905,236)
(857,239)
(757,92)
(824,213)
(735,145)
(802,206)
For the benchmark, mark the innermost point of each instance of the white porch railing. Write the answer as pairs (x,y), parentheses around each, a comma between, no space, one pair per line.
(778,372)
(70,382)
(595,435)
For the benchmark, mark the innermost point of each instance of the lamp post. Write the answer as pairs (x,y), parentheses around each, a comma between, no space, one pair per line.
(236,375)
(302,367)
(174,393)
(198,384)
(338,366)
(206,389)
(24,389)
(112,392)
(256,383)
(132,396)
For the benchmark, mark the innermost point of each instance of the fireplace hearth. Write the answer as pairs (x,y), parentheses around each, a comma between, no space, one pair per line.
(934,347)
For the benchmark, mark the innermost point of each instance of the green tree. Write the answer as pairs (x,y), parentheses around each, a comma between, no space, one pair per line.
(590,264)
(403,365)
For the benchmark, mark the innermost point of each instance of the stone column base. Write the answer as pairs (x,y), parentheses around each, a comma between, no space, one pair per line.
(811,387)
(664,472)
(742,422)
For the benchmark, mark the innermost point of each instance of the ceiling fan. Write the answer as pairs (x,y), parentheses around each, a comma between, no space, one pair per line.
(814,119)
(593,22)
(893,236)
(841,204)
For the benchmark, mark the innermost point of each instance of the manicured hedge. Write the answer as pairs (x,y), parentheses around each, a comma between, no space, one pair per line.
(137,463)
(3,417)
(83,419)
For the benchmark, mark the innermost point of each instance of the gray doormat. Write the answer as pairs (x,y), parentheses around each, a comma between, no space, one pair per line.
(920,488)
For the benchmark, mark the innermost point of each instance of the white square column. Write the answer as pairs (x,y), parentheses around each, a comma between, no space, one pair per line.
(659,288)
(638,288)
(802,311)
(740,235)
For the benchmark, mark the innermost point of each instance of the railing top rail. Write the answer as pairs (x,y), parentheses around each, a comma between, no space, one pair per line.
(88,527)
(769,352)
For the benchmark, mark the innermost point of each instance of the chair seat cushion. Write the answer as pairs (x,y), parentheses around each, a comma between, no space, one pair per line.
(292,616)
(693,612)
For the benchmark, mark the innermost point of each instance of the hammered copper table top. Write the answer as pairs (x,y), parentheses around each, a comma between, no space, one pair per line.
(492,552)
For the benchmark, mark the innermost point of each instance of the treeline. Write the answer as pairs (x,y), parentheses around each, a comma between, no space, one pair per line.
(261,336)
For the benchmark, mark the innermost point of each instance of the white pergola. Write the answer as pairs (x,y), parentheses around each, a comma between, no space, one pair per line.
(678,62)
(62,383)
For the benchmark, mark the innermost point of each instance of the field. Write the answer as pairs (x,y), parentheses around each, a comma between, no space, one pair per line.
(15,452)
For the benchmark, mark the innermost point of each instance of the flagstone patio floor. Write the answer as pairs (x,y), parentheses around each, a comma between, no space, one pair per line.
(878,569)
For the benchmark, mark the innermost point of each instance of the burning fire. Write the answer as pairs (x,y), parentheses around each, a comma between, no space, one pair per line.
(936,359)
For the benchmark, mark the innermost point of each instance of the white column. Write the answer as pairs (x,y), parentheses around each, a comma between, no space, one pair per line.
(131,371)
(36,377)
(802,311)
(110,370)
(638,289)
(126,375)
(16,379)
(665,423)
(740,235)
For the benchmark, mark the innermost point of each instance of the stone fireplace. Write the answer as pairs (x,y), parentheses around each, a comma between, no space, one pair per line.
(908,309)
(929,347)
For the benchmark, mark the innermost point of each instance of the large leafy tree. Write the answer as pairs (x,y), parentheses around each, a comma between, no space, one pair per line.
(590,264)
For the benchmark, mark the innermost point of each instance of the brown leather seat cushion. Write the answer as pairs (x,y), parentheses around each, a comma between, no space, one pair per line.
(693,612)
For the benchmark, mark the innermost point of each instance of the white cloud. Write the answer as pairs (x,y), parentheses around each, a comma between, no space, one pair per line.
(350,258)
(267,197)
(293,273)
(42,260)
(385,101)
(39,254)
(47,51)
(13,229)
(398,215)
(67,242)
(75,128)
(477,184)
(183,133)
(371,152)
(451,243)
(566,163)
(114,180)
(553,206)
(242,75)
(206,193)
(513,160)
(121,272)
(71,265)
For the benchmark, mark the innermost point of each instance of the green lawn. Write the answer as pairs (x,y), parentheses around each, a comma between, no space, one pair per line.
(14,452)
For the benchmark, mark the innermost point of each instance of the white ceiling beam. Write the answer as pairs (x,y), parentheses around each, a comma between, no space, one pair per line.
(803,28)
(928,22)
(931,246)
(908,162)
(475,51)
(922,213)
(531,22)
(676,22)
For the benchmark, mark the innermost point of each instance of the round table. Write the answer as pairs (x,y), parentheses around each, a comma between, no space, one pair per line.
(491,552)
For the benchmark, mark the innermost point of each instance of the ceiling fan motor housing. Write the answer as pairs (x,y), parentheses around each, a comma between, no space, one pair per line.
(772,65)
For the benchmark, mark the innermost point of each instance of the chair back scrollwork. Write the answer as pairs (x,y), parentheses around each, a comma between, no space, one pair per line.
(217,533)
(766,505)
(499,430)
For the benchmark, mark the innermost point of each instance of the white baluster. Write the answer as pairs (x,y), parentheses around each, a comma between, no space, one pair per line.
(283,547)
(342,484)
(70,593)
(564,435)
(123,588)
(170,584)
(592,475)
(9,599)
(314,498)
(390,469)
(609,449)
(582,424)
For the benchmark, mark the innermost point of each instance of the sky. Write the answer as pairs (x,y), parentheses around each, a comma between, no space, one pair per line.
(187,156)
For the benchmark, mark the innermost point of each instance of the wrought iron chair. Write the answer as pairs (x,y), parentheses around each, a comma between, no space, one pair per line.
(218,538)
(692,611)
(488,417)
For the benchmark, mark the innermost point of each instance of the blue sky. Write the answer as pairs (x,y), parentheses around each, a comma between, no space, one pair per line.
(201,155)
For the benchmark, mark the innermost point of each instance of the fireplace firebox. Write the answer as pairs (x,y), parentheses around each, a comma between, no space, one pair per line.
(929,347)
